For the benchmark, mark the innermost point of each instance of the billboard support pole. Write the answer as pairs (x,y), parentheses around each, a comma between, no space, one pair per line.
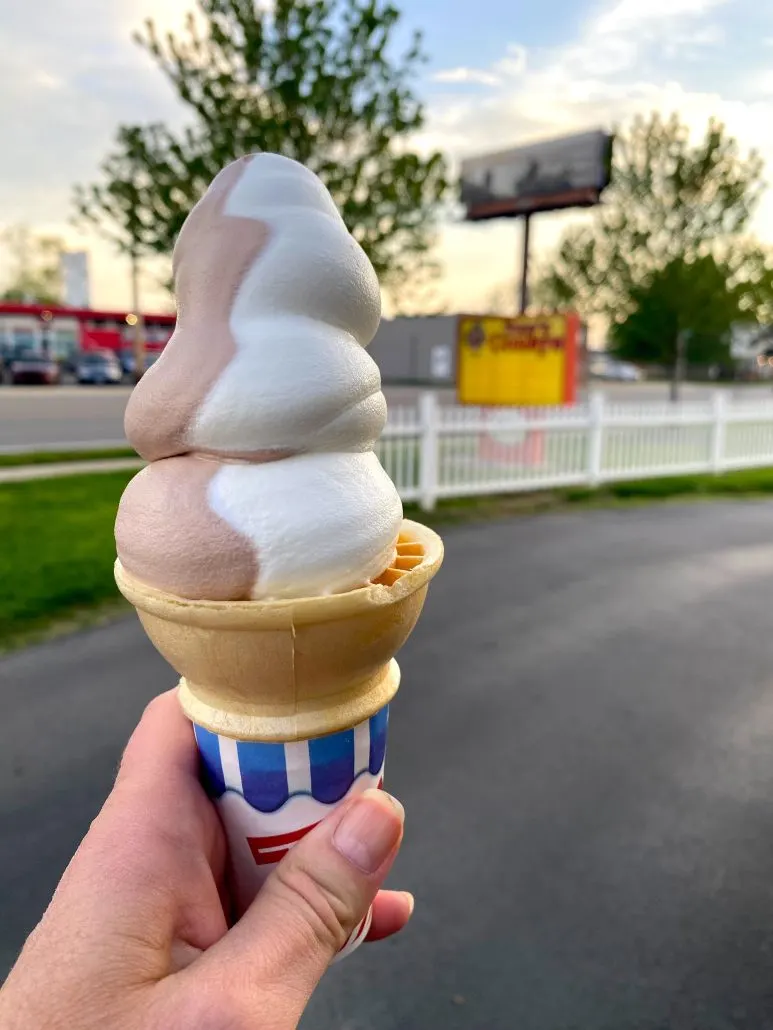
(524,299)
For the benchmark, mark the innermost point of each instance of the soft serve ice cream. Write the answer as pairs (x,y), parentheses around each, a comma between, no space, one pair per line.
(259,419)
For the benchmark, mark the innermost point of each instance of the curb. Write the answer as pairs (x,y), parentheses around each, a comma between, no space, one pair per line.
(55,470)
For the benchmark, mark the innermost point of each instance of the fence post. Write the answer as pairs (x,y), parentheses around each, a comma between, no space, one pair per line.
(428,449)
(718,431)
(596,406)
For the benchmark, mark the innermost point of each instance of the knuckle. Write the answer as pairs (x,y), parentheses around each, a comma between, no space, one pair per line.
(326,911)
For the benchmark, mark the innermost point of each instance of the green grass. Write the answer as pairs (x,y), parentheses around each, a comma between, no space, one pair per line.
(57,550)
(746,483)
(55,457)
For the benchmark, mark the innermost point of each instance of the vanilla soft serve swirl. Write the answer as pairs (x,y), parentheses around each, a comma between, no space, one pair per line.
(259,418)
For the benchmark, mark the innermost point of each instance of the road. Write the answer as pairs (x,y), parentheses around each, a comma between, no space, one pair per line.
(37,417)
(583,745)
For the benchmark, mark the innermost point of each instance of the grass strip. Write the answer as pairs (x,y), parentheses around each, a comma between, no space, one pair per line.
(57,553)
(21,458)
(57,547)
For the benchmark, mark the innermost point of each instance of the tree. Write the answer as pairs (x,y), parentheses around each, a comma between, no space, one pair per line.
(670,202)
(699,298)
(313,81)
(34,271)
(685,312)
(115,206)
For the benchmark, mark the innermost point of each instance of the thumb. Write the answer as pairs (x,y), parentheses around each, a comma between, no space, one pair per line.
(310,905)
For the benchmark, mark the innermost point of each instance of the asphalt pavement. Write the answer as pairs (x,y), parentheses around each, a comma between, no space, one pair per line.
(43,417)
(70,416)
(37,417)
(584,745)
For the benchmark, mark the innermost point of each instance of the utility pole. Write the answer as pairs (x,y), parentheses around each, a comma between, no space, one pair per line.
(679,363)
(524,298)
(138,346)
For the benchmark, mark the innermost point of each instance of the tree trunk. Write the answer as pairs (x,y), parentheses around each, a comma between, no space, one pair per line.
(680,355)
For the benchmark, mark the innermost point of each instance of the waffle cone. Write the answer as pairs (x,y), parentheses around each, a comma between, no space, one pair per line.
(291,669)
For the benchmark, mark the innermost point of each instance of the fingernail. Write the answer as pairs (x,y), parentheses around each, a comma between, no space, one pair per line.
(411,902)
(370,830)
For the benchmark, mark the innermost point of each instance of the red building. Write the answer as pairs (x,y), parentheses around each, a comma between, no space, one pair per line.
(65,332)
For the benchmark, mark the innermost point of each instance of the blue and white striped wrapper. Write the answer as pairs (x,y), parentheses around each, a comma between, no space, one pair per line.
(269,796)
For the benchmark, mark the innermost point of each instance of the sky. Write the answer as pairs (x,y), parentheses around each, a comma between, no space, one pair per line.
(501,73)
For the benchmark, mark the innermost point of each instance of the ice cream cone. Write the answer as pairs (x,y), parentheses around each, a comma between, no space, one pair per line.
(259,425)
(289,699)
(291,669)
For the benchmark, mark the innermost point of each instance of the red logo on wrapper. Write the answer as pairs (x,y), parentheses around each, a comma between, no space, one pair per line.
(268,850)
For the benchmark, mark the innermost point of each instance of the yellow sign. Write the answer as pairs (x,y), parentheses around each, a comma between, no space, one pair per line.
(527,361)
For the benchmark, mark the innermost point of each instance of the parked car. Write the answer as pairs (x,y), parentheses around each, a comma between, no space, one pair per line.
(99,366)
(34,369)
(616,371)
(126,358)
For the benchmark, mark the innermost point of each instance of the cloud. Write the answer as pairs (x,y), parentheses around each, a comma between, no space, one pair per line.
(471,75)
(513,63)
(631,15)
(511,66)
(760,83)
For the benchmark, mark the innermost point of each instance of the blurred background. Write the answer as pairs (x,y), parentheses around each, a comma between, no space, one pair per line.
(567,205)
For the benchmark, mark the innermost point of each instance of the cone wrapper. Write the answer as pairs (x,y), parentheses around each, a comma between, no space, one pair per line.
(270,795)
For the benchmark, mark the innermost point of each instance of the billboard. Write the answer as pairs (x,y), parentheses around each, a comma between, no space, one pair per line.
(75,278)
(549,176)
(528,360)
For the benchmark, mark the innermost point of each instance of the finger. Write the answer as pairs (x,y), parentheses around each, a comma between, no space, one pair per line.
(157,835)
(391,911)
(146,872)
(162,742)
(159,773)
(307,909)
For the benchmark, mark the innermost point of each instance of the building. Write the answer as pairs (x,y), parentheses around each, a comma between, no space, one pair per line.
(424,350)
(420,351)
(66,332)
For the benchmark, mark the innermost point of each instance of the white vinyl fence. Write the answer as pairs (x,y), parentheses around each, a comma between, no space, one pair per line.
(434,450)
